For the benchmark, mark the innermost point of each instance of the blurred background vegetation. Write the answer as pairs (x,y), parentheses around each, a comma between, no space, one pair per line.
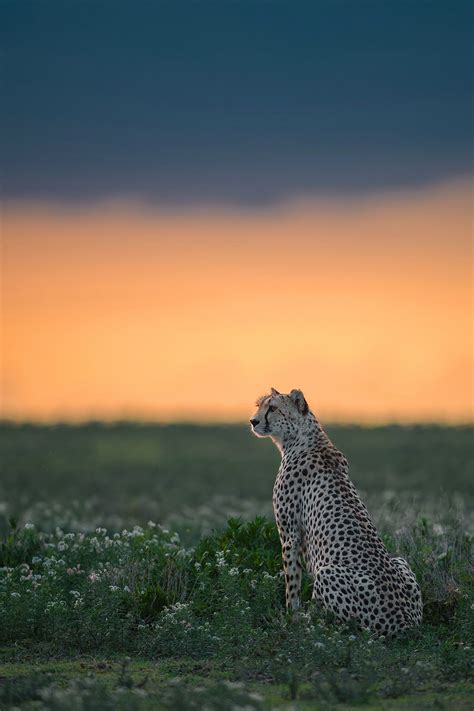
(194,477)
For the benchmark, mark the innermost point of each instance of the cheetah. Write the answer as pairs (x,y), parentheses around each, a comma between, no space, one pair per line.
(322,522)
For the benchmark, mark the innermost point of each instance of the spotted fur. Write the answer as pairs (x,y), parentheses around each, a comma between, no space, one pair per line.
(323,522)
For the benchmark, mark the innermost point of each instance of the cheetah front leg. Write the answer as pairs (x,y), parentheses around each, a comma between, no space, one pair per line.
(290,551)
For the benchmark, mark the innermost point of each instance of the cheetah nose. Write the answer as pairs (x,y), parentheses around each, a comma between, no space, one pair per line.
(254,422)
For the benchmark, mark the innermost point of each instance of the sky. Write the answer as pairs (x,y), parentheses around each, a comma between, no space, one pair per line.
(201,200)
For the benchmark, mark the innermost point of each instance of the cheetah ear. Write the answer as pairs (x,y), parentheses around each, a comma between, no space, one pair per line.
(274,392)
(300,402)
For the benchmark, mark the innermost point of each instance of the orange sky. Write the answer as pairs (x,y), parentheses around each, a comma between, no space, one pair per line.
(122,311)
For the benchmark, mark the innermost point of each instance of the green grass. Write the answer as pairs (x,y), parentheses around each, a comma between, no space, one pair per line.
(125,474)
(187,610)
(164,684)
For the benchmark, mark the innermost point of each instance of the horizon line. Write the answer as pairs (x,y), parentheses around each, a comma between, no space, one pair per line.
(203,422)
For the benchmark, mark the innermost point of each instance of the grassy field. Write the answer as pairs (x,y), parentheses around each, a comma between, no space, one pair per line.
(124,585)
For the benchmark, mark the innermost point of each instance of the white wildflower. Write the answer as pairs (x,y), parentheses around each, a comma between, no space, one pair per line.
(220,559)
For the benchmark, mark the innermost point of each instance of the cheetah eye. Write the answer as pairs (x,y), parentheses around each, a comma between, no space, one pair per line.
(271,408)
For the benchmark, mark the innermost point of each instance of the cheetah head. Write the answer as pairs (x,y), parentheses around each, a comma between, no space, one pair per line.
(279,416)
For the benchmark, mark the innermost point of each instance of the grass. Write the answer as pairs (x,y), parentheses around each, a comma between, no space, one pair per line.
(103,605)
(183,684)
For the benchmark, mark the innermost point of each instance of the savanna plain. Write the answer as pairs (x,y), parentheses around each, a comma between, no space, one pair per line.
(140,569)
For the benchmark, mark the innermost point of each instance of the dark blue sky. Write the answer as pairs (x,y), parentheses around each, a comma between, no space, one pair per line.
(235,103)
